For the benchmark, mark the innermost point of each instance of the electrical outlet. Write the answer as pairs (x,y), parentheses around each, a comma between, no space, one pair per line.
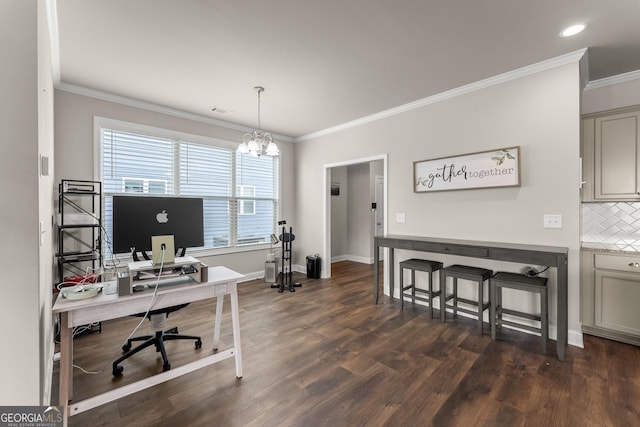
(553,221)
(400,217)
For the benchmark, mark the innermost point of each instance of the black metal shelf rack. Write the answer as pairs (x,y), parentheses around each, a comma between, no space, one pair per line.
(79,227)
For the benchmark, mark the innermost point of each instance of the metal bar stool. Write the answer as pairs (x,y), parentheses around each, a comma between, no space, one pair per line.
(524,283)
(474,274)
(414,265)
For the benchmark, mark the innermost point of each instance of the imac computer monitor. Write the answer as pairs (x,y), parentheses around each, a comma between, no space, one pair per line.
(137,218)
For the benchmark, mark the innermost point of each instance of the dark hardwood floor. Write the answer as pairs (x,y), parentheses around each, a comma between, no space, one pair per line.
(325,355)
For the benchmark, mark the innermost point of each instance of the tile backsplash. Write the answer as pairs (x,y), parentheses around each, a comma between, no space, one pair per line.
(612,226)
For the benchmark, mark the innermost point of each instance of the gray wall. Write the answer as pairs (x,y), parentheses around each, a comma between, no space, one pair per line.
(539,112)
(26,254)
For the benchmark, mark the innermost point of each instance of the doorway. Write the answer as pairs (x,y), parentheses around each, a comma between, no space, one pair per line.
(380,192)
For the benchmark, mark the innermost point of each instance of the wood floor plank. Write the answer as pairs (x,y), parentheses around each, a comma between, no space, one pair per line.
(326,355)
(624,382)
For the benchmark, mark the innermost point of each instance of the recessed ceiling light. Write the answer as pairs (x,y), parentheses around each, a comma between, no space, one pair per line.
(572,30)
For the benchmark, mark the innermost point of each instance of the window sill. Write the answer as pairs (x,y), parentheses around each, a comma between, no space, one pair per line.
(228,250)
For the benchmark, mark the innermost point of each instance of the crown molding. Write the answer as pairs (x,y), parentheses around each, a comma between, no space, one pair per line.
(613,80)
(130,102)
(462,90)
(583,64)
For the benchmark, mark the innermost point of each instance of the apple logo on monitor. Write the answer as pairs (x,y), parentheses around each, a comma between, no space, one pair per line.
(162,217)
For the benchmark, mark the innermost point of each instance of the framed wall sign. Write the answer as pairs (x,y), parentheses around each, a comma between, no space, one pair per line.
(493,168)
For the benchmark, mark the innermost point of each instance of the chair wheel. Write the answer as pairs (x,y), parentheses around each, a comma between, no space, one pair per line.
(117,371)
(166,367)
(126,347)
(198,344)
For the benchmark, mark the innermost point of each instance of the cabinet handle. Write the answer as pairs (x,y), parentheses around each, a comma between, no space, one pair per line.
(634,264)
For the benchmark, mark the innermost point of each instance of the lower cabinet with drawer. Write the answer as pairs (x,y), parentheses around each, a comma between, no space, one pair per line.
(610,295)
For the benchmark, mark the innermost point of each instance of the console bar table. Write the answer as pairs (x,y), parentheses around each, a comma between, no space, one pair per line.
(524,254)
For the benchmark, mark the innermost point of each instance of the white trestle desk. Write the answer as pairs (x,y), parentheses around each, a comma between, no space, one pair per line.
(221,281)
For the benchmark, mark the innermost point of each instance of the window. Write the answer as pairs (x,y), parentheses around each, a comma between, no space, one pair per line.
(142,185)
(240,192)
(246,207)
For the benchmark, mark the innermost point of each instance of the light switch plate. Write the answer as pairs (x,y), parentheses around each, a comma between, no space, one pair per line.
(553,221)
(44,165)
(400,217)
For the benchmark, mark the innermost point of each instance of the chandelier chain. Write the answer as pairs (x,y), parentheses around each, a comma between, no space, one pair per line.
(260,89)
(259,125)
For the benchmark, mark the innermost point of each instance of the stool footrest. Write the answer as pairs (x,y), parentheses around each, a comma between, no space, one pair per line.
(519,325)
(420,298)
(485,306)
(418,290)
(519,313)
(464,310)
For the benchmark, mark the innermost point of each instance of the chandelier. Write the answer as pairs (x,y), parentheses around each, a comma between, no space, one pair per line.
(258,143)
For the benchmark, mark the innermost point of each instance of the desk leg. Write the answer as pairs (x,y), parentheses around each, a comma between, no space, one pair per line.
(391,272)
(66,364)
(376,271)
(216,329)
(235,319)
(562,308)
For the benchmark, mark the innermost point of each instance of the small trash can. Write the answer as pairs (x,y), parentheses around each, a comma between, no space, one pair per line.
(313,267)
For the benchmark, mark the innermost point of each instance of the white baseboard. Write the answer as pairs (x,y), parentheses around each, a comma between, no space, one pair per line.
(256,275)
(575,338)
(354,258)
(252,276)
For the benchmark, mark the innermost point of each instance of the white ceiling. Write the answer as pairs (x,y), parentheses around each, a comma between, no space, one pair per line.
(324,62)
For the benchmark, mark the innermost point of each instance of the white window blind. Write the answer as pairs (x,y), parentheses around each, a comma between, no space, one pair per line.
(240,192)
